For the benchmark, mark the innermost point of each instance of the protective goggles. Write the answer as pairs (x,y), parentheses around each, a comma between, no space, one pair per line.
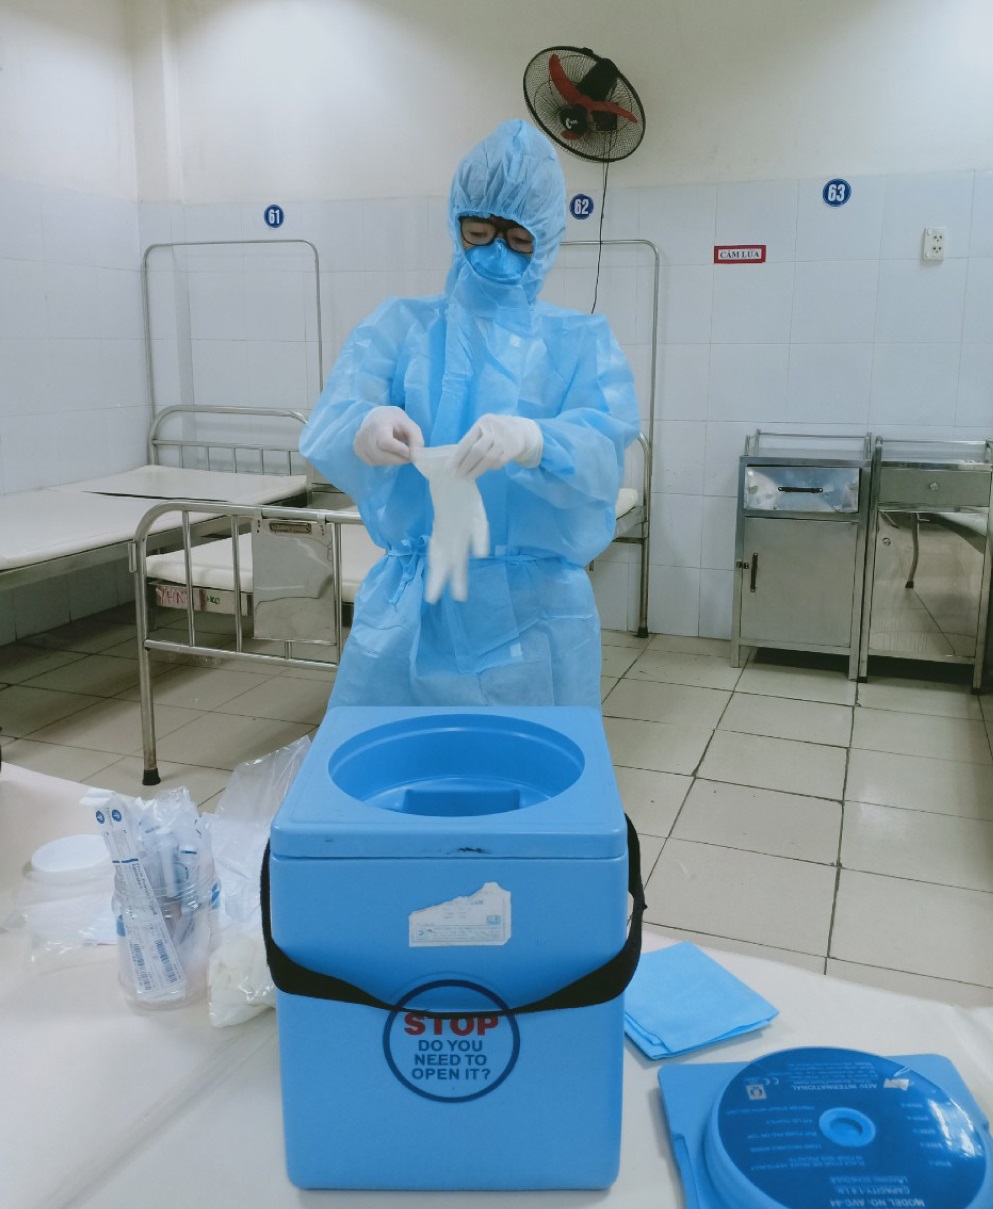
(479,232)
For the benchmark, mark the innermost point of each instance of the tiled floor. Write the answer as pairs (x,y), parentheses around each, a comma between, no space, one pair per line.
(783,810)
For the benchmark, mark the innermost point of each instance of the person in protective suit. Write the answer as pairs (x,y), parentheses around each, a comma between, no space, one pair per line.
(540,403)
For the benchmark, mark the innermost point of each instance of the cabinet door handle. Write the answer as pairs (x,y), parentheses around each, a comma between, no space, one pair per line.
(755,571)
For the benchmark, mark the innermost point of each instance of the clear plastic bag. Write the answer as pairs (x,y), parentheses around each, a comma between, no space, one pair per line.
(72,904)
(66,917)
(239,985)
(164,894)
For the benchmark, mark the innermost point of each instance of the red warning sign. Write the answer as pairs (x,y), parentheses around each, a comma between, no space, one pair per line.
(449,1057)
(739,253)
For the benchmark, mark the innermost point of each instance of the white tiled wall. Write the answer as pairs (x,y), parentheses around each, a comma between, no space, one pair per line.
(844,325)
(73,400)
(72,353)
(233,308)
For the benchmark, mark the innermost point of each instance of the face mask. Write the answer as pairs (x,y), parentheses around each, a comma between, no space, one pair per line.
(496,262)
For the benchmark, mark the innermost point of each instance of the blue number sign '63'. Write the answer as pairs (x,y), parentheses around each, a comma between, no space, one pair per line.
(837,192)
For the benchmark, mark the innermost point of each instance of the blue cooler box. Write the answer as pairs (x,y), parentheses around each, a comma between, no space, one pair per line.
(461,862)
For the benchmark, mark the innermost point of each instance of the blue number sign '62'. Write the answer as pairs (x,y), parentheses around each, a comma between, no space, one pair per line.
(837,192)
(581,206)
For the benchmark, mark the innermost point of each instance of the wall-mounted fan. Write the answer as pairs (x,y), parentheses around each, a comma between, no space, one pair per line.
(584,103)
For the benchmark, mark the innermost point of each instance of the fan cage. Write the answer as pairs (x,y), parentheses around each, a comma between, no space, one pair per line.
(546,106)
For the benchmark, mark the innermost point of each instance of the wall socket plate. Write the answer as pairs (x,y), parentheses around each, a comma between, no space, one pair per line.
(934,243)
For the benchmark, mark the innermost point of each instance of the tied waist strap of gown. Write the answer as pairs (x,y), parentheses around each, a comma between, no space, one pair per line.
(412,554)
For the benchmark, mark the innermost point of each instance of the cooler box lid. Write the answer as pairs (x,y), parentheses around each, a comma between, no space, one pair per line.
(389,781)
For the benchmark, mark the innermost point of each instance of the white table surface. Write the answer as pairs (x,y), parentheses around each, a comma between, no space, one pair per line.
(107,1108)
(84,1077)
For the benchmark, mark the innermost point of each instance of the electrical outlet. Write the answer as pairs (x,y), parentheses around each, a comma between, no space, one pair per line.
(934,243)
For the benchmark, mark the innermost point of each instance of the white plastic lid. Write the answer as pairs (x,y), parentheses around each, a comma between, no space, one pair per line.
(71,858)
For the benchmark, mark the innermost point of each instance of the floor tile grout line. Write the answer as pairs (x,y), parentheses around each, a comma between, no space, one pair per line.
(837,871)
(791,793)
(654,862)
(730,730)
(980,986)
(844,790)
(770,788)
(933,814)
(703,754)
(959,760)
(91,705)
(759,944)
(916,881)
(116,757)
(760,734)
(775,856)
(682,806)
(118,696)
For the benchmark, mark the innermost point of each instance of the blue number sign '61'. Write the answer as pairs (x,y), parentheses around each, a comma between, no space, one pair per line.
(274,216)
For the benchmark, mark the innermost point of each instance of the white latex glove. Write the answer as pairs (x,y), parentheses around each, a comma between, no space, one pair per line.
(387,437)
(460,524)
(495,440)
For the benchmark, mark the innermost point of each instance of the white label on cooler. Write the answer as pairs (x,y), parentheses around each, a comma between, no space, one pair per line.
(482,918)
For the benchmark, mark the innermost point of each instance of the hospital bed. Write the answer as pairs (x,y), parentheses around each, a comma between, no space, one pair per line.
(194,550)
(283,575)
(199,453)
(226,465)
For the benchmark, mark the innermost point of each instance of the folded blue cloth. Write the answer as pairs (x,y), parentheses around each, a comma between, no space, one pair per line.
(680,1000)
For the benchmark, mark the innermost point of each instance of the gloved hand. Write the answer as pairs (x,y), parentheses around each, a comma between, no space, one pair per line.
(460,524)
(495,440)
(387,437)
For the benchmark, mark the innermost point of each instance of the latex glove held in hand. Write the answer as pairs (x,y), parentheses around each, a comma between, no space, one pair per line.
(495,440)
(387,437)
(460,525)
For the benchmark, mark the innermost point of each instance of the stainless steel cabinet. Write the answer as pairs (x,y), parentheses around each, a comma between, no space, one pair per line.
(800,544)
(929,554)
(800,586)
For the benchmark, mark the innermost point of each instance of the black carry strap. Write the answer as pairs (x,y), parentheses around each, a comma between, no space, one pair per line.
(599,986)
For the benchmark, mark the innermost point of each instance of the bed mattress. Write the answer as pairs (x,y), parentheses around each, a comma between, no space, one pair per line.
(53,522)
(627,498)
(36,526)
(175,483)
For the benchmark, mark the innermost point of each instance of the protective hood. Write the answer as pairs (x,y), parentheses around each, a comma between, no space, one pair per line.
(514,173)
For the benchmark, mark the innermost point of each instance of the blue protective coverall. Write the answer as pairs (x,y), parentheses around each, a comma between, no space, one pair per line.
(529,633)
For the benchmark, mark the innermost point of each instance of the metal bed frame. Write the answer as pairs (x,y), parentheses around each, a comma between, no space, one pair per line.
(634,527)
(320,526)
(208,446)
(312,596)
(221,243)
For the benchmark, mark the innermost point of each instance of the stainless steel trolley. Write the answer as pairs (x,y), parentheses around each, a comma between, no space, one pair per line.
(930,554)
(803,505)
